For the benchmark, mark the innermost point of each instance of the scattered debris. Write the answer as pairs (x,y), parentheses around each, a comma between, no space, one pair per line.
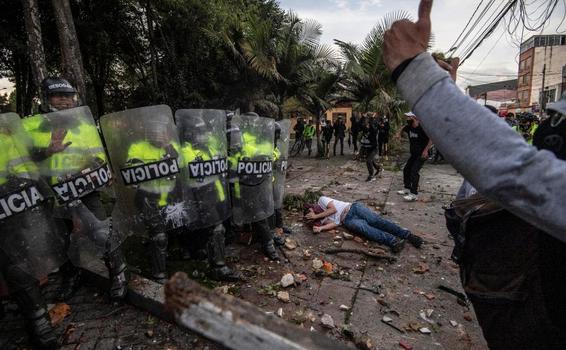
(280,312)
(421,269)
(307,254)
(430,296)
(291,244)
(387,319)
(317,264)
(358,239)
(347,236)
(287,280)
(453,323)
(58,313)
(344,307)
(283,296)
(424,330)
(468,317)
(327,321)
(300,278)
(390,324)
(425,315)
(405,345)
(149,333)
(327,267)
(376,253)
(462,299)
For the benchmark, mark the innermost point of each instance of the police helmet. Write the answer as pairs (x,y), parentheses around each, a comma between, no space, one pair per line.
(156,132)
(56,86)
(193,129)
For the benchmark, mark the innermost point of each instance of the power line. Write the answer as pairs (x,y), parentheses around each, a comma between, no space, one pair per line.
(453,46)
(490,30)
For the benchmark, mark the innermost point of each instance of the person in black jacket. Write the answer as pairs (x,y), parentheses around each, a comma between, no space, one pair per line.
(370,130)
(383,136)
(327,130)
(339,134)
(355,130)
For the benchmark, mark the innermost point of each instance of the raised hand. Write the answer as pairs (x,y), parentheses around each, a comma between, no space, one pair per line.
(406,39)
(56,145)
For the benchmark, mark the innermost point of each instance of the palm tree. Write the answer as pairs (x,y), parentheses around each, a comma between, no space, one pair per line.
(367,81)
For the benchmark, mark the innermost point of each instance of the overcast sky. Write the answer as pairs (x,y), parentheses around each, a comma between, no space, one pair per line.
(352,20)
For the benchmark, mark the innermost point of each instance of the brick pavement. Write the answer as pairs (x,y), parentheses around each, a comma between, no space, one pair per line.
(94,323)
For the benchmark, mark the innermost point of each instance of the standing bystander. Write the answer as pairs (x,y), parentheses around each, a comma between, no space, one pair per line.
(339,134)
(308,134)
(419,146)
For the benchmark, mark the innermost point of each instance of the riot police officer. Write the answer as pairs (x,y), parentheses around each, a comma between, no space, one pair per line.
(30,244)
(144,148)
(250,155)
(68,149)
(204,184)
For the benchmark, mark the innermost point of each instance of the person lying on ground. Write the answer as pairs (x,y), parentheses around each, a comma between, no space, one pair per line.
(483,148)
(363,221)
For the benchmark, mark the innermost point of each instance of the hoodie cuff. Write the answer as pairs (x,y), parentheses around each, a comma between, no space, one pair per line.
(418,77)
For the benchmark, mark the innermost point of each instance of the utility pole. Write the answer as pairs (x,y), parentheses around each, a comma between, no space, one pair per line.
(542,94)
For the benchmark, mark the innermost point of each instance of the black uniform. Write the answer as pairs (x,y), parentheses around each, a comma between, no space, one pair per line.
(418,141)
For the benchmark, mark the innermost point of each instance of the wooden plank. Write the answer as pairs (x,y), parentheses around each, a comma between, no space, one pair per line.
(235,323)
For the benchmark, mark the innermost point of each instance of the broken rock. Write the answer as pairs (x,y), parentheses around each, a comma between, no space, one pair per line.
(287,280)
(347,236)
(290,244)
(283,296)
(327,321)
(317,264)
(424,330)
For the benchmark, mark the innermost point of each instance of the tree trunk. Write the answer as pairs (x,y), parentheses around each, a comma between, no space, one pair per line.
(35,43)
(72,61)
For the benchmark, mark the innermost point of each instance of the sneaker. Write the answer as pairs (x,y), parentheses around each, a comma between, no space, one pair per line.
(416,241)
(403,192)
(369,178)
(397,246)
(410,197)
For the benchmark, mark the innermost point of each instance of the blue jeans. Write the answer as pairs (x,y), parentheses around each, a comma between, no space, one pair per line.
(364,221)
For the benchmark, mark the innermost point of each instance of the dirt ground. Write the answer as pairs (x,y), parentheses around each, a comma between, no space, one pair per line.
(351,291)
(361,291)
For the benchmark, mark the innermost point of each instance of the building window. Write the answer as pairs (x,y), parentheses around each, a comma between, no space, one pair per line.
(550,95)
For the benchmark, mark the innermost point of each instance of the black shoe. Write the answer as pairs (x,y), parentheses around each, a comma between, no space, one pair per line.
(225,274)
(69,286)
(278,240)
(41,331)
(270,251)
(398,246)
(369,178)
(416,241)
(287,230)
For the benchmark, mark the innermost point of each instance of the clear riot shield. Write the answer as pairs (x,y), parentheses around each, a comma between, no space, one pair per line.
(30,240)
(281,156)
(252,191)
(72,160)
(144,151)
(204,166)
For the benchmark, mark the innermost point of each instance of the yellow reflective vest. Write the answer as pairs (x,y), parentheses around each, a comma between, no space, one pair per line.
(190,154)
(145,152)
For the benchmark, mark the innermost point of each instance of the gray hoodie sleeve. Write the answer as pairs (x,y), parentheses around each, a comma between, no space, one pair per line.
(489,154)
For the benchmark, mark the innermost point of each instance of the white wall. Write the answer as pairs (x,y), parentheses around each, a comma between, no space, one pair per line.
(555,59)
